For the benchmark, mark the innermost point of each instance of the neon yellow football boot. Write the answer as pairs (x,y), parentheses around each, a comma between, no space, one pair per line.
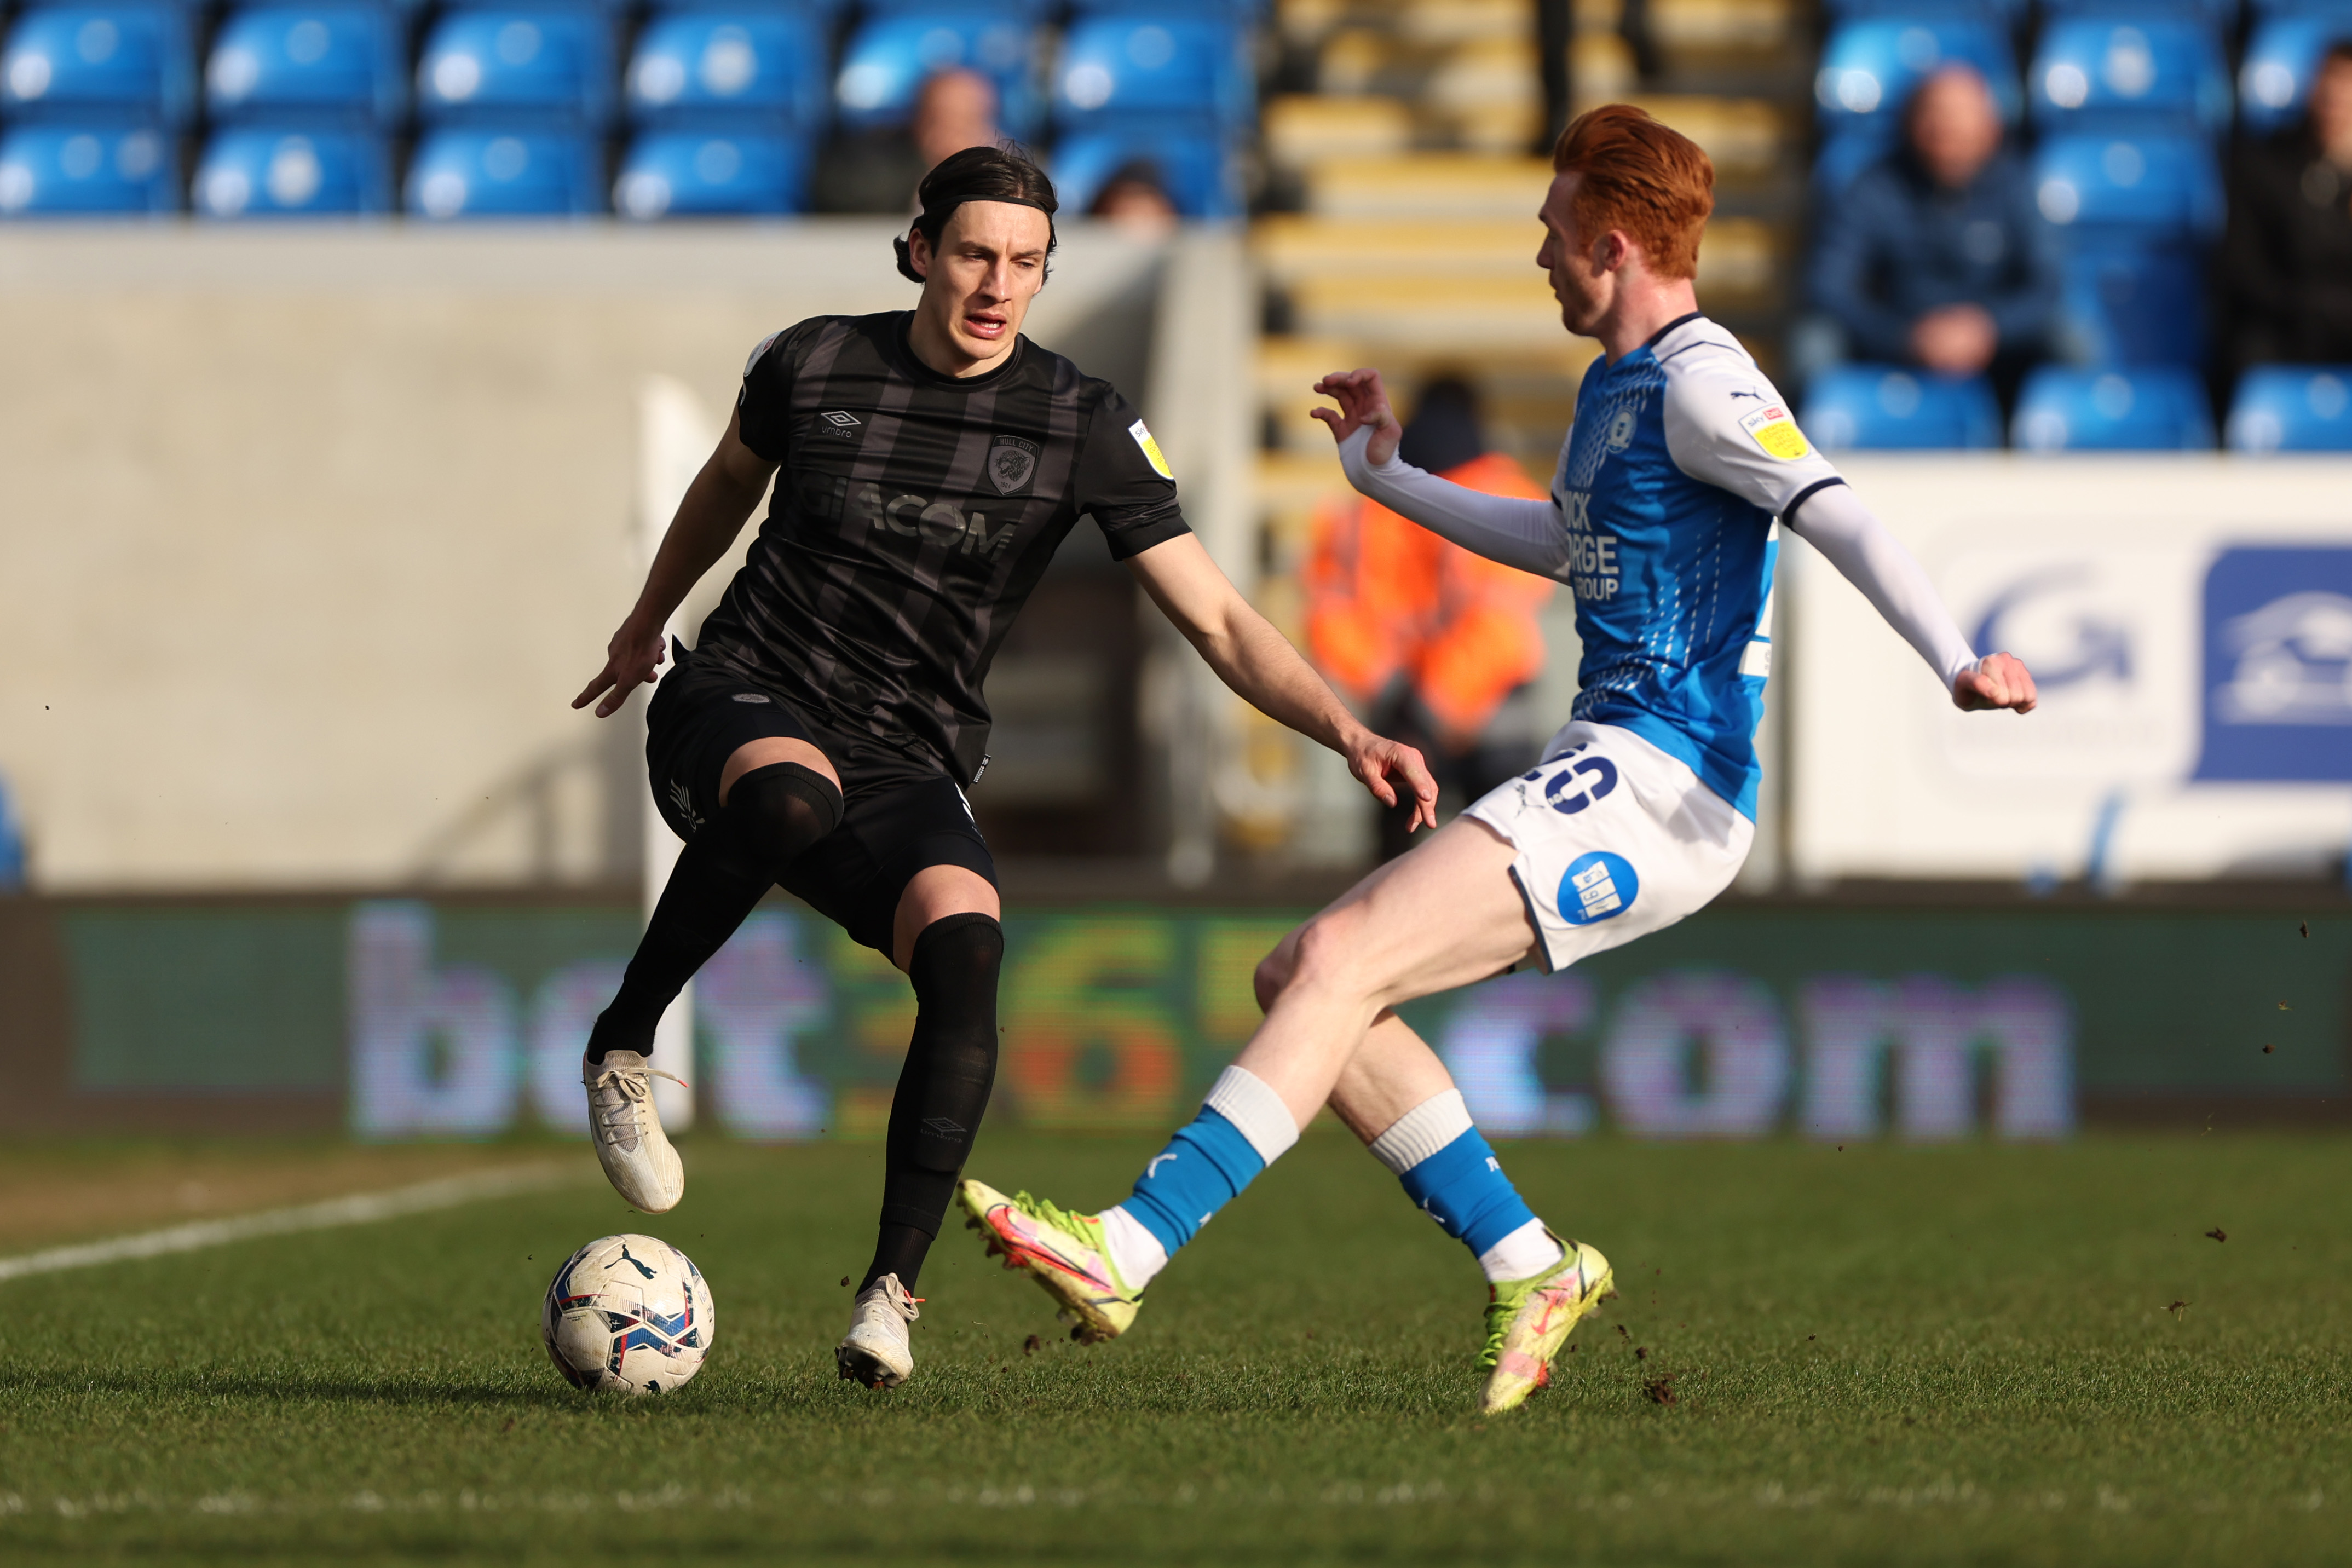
(1064,1252)
(1528,1320)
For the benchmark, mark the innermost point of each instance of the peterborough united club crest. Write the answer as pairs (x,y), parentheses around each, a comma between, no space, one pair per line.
(1012,464)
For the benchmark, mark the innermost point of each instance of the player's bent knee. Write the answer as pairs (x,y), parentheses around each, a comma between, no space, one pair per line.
(1273,973)
(780,810)
(1324,951)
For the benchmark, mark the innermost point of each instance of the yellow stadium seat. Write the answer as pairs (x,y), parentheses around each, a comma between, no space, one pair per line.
(1300,128)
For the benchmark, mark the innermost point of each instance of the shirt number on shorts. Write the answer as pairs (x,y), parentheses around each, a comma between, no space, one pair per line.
(1601,771)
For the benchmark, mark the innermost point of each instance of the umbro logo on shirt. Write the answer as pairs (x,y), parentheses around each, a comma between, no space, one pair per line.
(843,422)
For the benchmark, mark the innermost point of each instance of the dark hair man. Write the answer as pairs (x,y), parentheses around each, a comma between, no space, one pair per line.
(820,735)
(2286,261)
(1662,518)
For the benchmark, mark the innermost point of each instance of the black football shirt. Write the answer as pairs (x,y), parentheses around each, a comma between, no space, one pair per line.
(913,514)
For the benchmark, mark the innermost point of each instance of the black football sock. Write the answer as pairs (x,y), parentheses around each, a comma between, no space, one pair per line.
(771,814)
(942,1089)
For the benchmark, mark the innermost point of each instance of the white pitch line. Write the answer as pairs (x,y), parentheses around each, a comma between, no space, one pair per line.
(361,1208)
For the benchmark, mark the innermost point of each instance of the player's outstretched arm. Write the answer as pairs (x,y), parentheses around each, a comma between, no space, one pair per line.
(710,517)
(1509,529)
(1259,663)
(1835,522)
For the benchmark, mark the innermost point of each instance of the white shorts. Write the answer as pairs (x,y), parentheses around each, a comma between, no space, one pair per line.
(1616,839)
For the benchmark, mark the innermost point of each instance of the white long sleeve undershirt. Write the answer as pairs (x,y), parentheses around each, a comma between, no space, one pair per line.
(1531,536)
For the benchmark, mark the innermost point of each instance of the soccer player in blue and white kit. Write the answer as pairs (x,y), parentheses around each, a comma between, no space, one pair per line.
(1664,515)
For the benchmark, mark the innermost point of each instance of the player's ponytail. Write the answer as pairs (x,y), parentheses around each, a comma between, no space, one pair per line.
(1001,174)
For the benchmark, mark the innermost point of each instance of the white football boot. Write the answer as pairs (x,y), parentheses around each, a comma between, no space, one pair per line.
(875,1351)
(627,1131)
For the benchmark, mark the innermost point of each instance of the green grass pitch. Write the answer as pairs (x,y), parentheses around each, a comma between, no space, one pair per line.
(1966,1353)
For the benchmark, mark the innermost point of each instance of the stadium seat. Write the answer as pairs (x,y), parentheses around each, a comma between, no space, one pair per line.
(130,62)
(547,69)
(2065,409)
(256,173)
(2219,14)
(708,68)
(67,171)
(1197,170)
(467,173)
(1029,11)
(1192,72)
(1879,408)
(1870,66)
(2095,73)
(2136,214)
(2152,185)
(312,65)
(694,174)
(1847,153)
(2282,52)
(889,57)
(2004,11)
(2292,408)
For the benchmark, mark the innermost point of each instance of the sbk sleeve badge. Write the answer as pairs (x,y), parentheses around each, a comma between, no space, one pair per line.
(1775,430)
(1151,449)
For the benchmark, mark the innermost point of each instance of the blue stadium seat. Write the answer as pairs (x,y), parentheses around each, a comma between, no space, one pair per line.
(68,171)
(468,172)
(2064,409)
(2218,14)
(699,174)
(1239,12)
(130,62)
(257,173)
(1030,11)
(2292,408)
(1197,170)
(1169,71)
(2282,53)
(2155,184)
(514,67)
(2003,11)
(710,68)
(312,65)
(1847,152)
(1870,66)
(2136,214)
(1880,408)
(2096,74)
(889,57)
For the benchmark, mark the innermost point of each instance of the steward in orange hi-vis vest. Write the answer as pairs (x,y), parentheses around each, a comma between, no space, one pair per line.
(1388,600)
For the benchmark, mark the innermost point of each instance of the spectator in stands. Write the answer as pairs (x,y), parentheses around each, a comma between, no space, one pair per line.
(1135,198)
(1442,643)
(1937,256)
(878,170)
(2286,261)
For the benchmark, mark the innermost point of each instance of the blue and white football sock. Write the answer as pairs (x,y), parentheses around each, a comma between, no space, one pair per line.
(1242,1128)
(1449,1170)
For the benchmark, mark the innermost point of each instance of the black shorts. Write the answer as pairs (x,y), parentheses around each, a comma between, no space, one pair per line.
(897,818)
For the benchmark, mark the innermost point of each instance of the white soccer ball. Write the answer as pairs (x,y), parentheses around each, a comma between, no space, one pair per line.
(628,1314)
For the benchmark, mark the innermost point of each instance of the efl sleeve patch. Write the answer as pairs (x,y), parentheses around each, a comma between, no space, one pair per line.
(1777,433)
(1151,449)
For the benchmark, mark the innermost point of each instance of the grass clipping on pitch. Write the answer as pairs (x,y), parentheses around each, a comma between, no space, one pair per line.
(1966,1353)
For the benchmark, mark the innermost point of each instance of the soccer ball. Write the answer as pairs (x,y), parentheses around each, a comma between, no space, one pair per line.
(628,1314)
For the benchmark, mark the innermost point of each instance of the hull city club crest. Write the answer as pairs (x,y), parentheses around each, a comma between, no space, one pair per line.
(1012,464)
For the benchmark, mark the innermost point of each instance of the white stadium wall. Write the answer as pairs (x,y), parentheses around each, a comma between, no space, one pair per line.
(312,534)
(2190,621)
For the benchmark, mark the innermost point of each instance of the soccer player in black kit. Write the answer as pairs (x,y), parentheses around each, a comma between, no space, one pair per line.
(822,732)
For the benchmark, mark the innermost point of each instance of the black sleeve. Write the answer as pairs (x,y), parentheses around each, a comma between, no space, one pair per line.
(764,407)
(1123,480)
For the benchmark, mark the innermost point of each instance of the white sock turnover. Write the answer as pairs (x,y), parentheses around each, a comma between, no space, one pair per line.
(1522,1254)
(1135,1252)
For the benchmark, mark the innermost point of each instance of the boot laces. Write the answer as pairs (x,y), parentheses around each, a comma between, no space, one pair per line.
(623,1097)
